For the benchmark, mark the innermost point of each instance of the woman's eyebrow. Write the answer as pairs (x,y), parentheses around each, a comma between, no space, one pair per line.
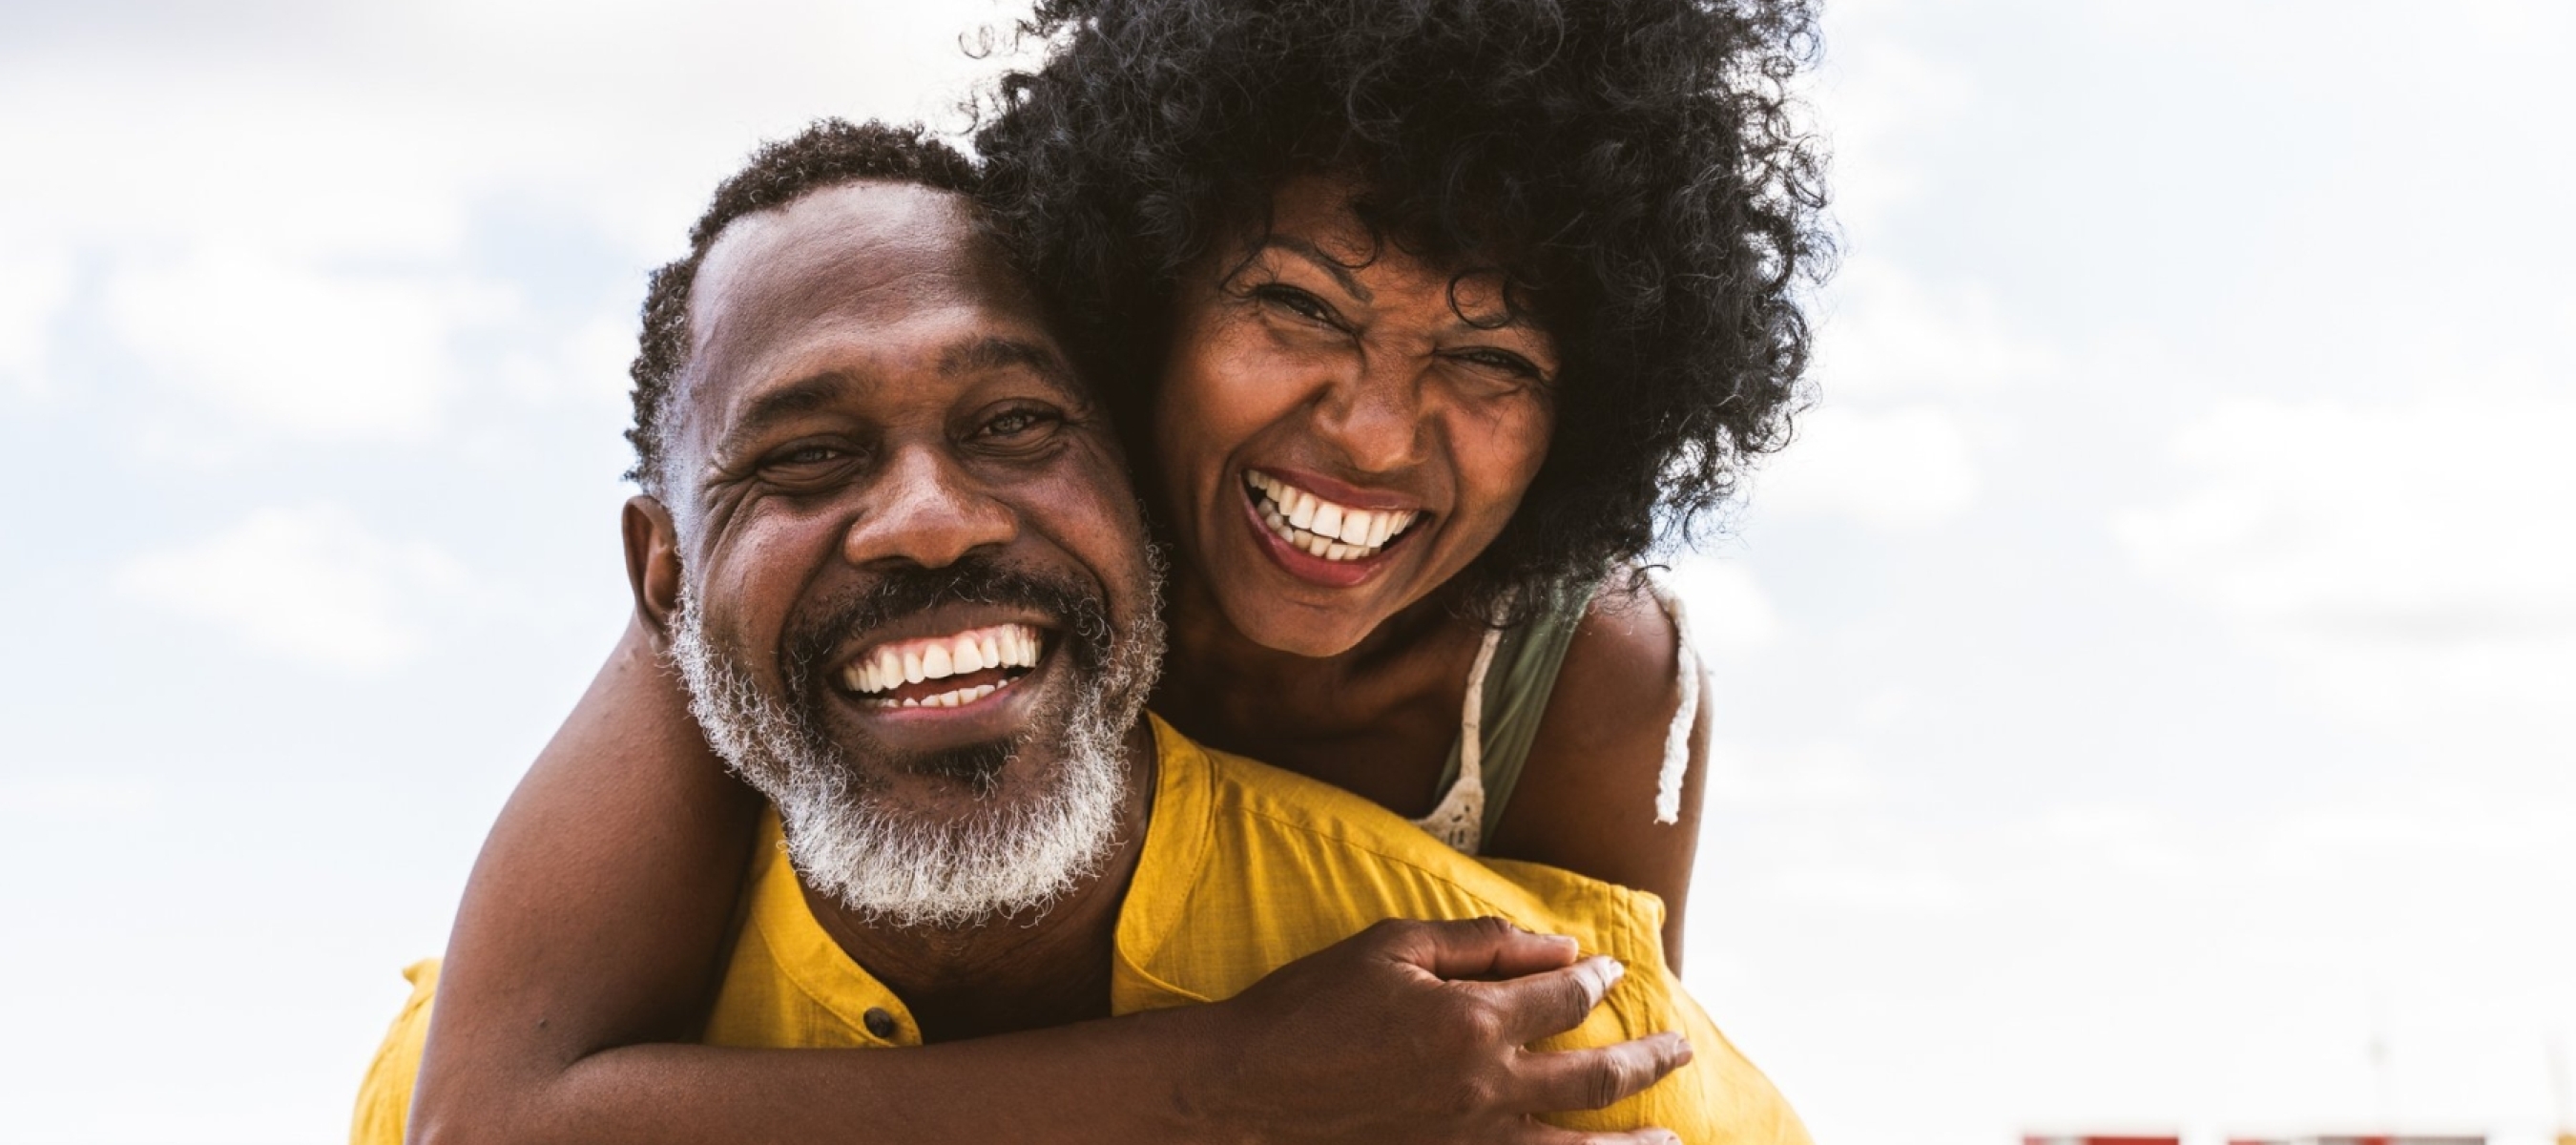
(1324,262)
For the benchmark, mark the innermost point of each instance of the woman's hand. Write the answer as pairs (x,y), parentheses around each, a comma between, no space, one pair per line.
(1417,1032)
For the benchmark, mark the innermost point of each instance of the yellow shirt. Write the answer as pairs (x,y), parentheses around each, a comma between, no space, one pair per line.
(1245,868)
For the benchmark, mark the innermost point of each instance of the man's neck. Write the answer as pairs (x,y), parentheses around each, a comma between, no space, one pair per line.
(1023,972)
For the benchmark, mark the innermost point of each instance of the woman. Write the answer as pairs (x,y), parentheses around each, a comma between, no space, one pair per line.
(1420,318)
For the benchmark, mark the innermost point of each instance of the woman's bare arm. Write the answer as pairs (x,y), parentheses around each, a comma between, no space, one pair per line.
(599,911)
(1586,798)
(595,925)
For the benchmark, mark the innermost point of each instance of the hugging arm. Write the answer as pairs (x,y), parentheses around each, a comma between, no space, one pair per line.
(595,927)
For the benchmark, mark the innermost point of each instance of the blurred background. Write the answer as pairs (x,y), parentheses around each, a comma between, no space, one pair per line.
(2144,690)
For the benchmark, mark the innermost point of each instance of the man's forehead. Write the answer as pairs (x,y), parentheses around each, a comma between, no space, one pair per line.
(850,251)
(851,276)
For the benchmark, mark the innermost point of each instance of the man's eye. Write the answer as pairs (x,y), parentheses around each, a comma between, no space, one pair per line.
(1017,426)
(807,455)
(802,464)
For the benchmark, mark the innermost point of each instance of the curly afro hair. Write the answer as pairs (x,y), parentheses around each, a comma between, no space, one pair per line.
(1632,166)
(827,153)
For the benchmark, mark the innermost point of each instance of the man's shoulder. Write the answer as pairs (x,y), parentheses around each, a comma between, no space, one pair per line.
(1302,864)
(1284,801)
(1281,866)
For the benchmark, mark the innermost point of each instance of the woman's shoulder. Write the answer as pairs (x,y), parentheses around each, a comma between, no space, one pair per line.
(1624,662)
(1607,789)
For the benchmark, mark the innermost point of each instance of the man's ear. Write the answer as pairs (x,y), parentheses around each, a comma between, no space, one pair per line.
(652,564)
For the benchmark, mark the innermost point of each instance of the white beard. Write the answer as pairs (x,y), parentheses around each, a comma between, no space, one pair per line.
(846,840)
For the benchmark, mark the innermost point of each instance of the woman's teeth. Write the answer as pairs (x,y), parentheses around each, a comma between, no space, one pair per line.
(891,666)
(1320,527)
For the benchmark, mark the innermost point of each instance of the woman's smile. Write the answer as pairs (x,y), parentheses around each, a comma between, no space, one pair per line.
(1329,541)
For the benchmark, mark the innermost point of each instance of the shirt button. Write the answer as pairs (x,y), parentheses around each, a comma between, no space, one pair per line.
(880,1023)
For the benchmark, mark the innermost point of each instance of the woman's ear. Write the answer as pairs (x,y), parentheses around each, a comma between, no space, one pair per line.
(652,565)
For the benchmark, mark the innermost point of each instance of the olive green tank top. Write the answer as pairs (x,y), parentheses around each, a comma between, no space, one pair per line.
(1507,693)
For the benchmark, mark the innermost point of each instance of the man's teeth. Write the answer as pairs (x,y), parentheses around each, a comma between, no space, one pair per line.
(890,666)
(1322,528)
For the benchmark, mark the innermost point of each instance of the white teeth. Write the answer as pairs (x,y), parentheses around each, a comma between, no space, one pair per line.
(1320,527)
(913,661)
(1328,520)
(1355,527)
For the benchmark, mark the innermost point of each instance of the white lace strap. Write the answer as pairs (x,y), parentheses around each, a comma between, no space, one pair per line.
(1677,739)
(1459,820)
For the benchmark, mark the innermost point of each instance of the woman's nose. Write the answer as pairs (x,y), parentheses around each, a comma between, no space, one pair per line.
(1374,416)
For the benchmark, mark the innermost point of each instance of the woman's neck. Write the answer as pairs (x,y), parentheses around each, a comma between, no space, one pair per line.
(1376,718)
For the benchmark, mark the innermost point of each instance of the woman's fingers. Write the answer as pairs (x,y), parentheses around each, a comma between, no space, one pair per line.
(1598,1078)
(1535,1006)
(1551,1135)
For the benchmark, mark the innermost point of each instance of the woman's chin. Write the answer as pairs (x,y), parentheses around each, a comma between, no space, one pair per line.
(1300,631)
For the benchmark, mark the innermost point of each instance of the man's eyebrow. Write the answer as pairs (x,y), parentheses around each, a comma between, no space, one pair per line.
(1325,262)
(995,352)
(788,401)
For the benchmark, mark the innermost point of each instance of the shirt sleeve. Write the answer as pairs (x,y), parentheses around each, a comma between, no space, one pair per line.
(384,1098)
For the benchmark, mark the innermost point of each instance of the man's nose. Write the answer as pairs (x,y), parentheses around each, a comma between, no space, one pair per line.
(1374,416)
(924,510)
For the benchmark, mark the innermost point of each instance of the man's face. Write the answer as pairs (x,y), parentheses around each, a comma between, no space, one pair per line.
(915,608)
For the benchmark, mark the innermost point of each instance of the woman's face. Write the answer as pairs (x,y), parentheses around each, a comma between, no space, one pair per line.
(1343,426)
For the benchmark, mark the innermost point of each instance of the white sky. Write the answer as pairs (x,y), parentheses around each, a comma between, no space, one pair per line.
(2143,688)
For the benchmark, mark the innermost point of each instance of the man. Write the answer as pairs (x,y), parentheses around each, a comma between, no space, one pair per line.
(891,546)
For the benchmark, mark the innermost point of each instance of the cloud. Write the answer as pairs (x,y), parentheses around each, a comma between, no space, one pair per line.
(299,349)
(1875,99)
(1901,365)
(1888,335)
(2395,546)
(1813,775)
(289,207)
(309,584)
(1730,615)
(33,288)
(1906,468)
(586,363)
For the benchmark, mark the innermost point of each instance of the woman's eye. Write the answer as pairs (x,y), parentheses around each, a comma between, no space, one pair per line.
(1297,302)
(1502,361)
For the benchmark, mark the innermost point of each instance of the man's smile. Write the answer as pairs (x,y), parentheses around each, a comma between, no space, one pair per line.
(953,674)
(948,671)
